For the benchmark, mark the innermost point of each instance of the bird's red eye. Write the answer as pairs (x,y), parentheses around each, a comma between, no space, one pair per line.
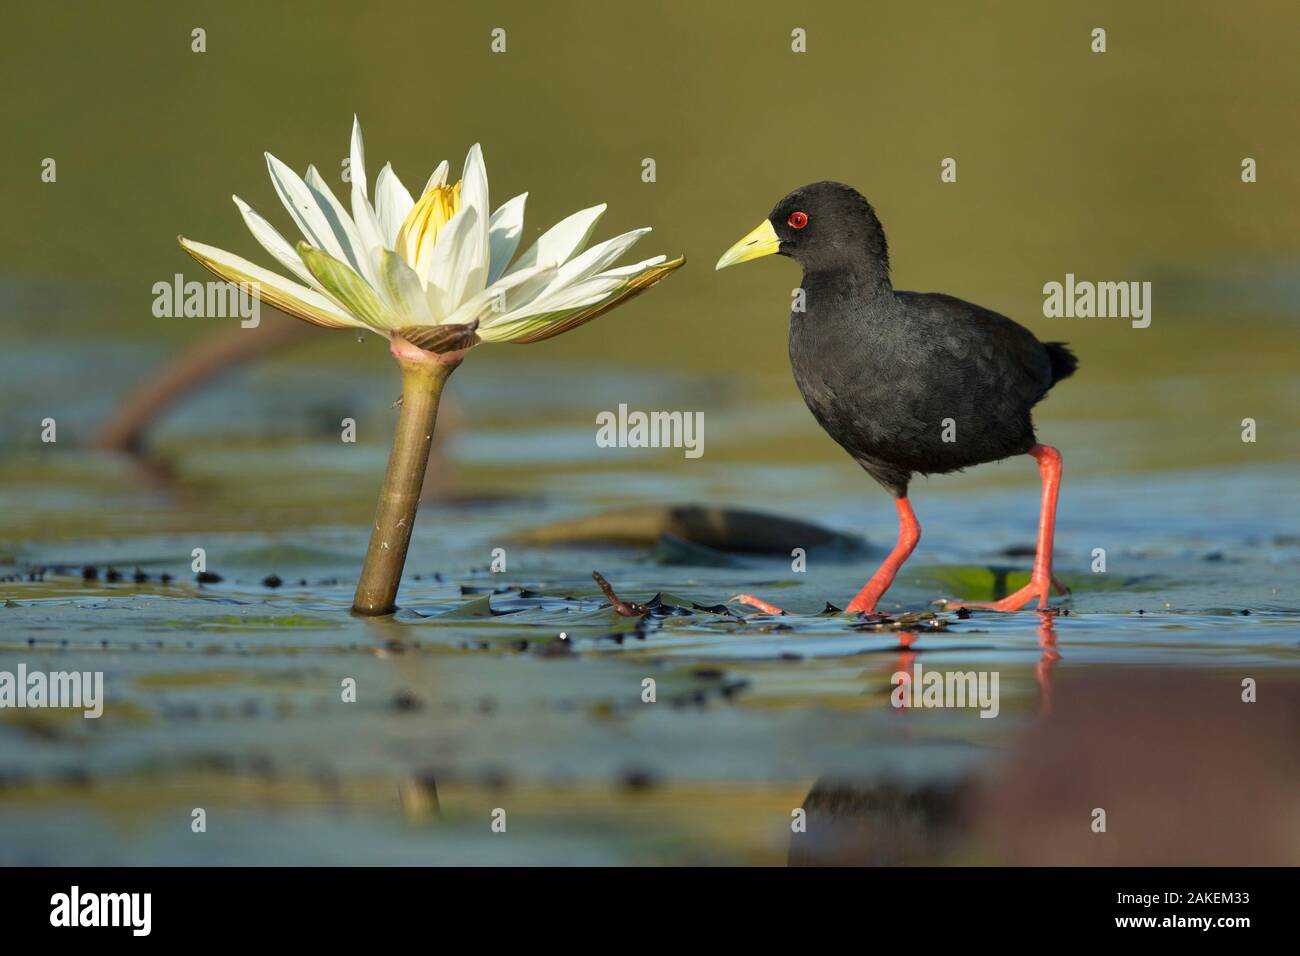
(798,220)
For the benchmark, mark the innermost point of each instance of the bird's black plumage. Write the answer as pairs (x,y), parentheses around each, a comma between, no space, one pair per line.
(905,382)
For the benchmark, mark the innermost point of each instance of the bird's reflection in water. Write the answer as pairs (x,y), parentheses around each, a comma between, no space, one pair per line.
(1048,657)
(903,664)
(880,825)
(888,824)
(1165,753)
(1046,660)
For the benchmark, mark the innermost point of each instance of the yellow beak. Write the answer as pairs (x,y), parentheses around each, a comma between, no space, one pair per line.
(761,242)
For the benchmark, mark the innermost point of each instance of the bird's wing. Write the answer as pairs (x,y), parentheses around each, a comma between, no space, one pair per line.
(984,347)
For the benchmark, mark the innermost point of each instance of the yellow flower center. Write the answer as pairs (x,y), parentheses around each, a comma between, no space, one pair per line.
(419,233)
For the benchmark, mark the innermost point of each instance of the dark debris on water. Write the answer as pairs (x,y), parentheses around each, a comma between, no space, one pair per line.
(625,608)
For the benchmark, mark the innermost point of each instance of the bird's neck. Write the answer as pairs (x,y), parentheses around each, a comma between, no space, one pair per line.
(861,281)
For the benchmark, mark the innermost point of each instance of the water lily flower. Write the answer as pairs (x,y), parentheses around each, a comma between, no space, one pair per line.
(436,276)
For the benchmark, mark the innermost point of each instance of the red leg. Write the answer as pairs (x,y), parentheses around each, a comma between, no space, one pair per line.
(758,603)
(909,532)
(1040,579)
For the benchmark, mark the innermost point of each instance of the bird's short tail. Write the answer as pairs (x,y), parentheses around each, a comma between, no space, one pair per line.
(1063,360)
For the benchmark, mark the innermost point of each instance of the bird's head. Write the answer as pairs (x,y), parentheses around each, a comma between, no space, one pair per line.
(824,227)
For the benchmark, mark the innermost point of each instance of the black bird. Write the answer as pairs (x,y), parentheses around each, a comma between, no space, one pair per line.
(905,382)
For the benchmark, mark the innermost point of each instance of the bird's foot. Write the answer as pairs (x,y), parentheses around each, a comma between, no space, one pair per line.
(1015,601)
(759,603)
(1060,588)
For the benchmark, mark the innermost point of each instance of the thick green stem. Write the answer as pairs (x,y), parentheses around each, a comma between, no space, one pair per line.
(423,377)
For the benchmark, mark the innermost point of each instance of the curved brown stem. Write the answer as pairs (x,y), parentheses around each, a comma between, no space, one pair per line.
(125,428)
(211,357)
(423,376)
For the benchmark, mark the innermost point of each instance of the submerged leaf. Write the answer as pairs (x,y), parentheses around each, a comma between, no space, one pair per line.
(674,551)
(723,529)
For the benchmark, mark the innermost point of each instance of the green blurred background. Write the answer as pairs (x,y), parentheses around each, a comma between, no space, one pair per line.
(1116,166)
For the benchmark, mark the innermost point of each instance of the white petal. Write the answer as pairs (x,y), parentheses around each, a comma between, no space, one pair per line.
(438,177)
(401,287)
(624,272)
(559,300)
(457,269)
(595,259)
(566,237)
(341,224)
(578,304)
(302,206)
(474,195)
(538,317)
(274,243)
(392,204)
(474,186)
(504,230)
(498,299)
(570,298)
(286,295)
(357,163)
(368,228)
